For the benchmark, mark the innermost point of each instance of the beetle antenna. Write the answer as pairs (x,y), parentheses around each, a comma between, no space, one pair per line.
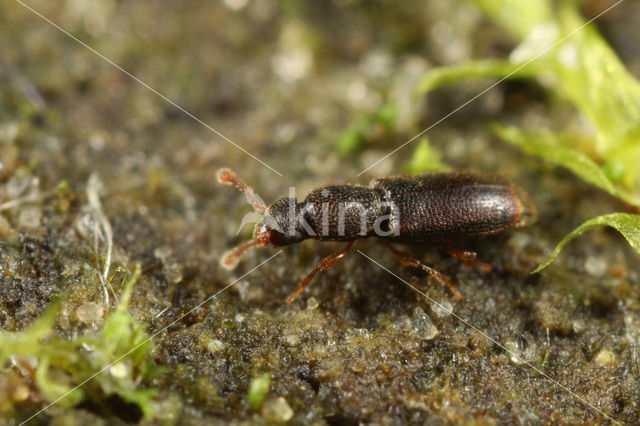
(229,177)
(231,258)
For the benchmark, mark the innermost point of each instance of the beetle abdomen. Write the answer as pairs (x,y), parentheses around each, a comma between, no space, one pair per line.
(441,207)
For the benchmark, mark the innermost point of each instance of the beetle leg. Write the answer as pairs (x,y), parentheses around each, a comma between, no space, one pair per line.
(326,263)
(469,259)
(408,260)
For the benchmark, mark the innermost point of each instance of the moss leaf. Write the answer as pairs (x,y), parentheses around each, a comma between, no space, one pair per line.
(519,17)
(570,58)
(553,147)
(426,158)
(62,363)
(474,69)
(627,224)
(365,128)
(258,390)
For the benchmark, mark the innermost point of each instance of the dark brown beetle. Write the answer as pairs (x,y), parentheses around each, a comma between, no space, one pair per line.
(430,209)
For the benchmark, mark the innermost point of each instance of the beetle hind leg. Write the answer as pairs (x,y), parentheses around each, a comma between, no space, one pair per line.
(326,263)
(469,259)
(408,260)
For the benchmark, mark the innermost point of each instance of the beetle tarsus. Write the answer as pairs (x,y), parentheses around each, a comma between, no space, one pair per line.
(408,260)
(469,259)
(326,263)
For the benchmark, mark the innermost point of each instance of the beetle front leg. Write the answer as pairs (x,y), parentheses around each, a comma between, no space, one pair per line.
(326,263)
(469,259)
(408,260)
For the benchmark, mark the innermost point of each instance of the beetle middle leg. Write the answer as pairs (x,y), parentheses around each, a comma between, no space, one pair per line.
(408,260)
(469,259)
(326,263)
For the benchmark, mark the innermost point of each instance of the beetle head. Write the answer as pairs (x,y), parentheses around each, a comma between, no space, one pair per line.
(274,226)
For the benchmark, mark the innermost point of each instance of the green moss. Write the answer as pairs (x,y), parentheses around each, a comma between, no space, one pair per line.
(425,158)
(258,390)
(554,147)
(571,59)
(116,358)
(364,128)
(627,224)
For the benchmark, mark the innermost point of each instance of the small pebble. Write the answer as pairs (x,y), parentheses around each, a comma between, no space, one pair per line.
(119,370)
(292,64)
(235,4)
(89,311)
(292,339)
(173,273)
(215,345)
(595,265)
(162,252)
(30,217)
(442,308)
(515,351)
(605,358)
(422,325)
(277,410)
(312,303)
(20,393)
(6,231)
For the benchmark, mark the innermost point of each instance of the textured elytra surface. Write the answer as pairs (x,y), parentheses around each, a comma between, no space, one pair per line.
(447,207)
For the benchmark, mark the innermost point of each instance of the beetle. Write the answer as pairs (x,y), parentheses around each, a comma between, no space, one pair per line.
(435,209)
